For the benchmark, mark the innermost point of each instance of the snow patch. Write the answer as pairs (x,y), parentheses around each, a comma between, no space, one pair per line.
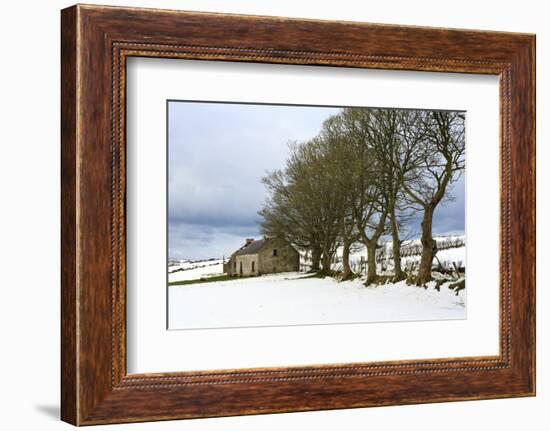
(294,299)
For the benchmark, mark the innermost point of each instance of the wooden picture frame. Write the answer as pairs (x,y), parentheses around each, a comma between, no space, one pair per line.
(95,43)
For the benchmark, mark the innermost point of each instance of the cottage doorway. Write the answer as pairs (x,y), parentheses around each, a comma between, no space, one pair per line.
(240,268)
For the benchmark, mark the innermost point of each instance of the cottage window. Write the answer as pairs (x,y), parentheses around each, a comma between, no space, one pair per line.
(274,252)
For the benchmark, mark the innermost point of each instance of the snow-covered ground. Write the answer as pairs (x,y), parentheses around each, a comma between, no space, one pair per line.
(293,299)
(195,270)
(290,299)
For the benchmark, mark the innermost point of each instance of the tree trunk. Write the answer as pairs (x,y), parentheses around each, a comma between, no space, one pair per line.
(315,258)
(325,262)
(396,249)
(346,270)
(371,262)
(428,248)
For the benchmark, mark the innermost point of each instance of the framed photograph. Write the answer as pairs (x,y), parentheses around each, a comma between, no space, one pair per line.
(265,214)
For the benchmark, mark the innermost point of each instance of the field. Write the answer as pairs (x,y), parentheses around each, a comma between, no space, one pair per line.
(298,299)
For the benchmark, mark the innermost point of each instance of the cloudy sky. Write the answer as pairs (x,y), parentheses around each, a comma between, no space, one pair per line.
(217,155)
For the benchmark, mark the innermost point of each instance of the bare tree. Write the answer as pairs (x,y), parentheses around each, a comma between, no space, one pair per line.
(340,164)
(369,204)
(360,178)
(431,159)
(284,217)
(386,144)
(308,195)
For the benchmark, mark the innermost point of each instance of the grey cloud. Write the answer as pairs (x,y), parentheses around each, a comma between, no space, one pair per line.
(188,241)
(218,154)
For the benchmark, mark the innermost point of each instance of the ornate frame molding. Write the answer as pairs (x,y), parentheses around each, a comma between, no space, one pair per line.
(96,41)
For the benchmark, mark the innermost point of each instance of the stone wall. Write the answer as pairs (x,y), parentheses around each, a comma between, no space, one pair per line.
(229,267)
(247,261)
(286,259)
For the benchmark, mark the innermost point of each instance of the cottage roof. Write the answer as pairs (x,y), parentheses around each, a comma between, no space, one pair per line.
(252,248)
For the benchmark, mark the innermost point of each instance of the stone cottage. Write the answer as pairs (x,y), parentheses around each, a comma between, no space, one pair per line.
(263,256)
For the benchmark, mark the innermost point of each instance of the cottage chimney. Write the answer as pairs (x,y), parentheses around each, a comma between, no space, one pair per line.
(249,241)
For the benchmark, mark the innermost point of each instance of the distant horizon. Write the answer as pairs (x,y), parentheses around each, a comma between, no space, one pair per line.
(218,153)
(386,240)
